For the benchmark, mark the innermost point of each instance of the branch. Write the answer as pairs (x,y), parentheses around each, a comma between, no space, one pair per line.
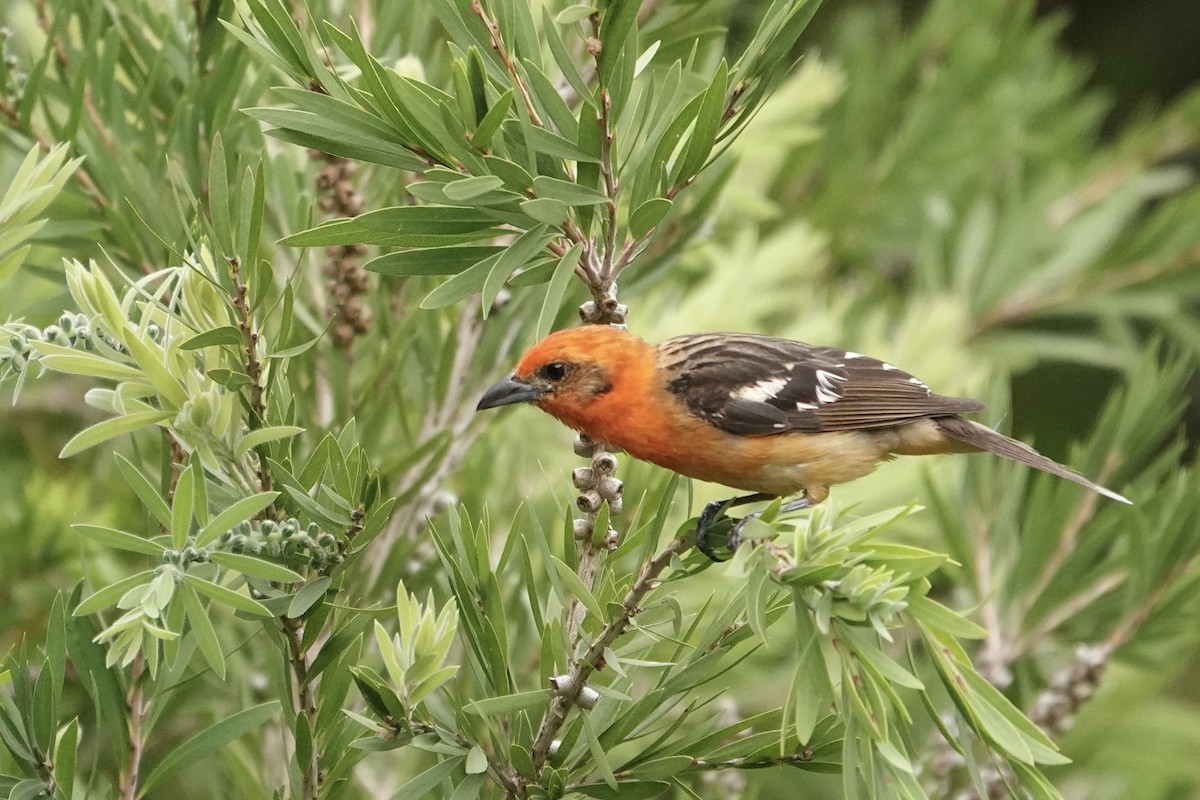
(454,413)
(137,707)
(253,367)
(1066,543)
(304,704)
(498,45)
(560,705)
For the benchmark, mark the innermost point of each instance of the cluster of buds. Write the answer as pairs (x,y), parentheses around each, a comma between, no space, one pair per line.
(12,77)
(72,330)
(607,312)
(586,698)
(182,559)
(285,540)
(1054,710)
(596,485)
(348,281)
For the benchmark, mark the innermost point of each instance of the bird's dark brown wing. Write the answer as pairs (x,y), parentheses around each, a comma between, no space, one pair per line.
(759,385)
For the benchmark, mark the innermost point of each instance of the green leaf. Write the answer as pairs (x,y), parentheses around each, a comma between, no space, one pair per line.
(546,209)
(618,23)
(557,288)
(402,226)
(562,57)
(465,190)
(227,596)
(218,198)
(182,506)
(109,595)
(536,272)
(259,568)
(573,584)
(625,790)
(1038,744)
(431,260)
(461,285)
(264,435)
(648,215)
(66,757)
(203,631)
(149,356)
(704,133)
(599,757)
(309,595)
(477,762)
(509,703)
(44,714)
(111,429)
(516,255)
(492,120)
(428,780)
(555,146)
(439,220)
(110,537)
(63,359)
(572,14)
(210,741)
(568,192)
(235,514)
(665,767)
(938,616)
(224,335)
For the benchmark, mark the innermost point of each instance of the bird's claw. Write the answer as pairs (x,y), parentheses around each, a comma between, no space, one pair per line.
(707,517)
(713,511)
(705,522)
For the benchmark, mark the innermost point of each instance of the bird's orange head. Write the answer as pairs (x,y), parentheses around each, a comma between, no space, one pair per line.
(575,375)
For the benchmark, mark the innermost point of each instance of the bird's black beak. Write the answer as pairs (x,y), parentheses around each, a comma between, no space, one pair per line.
(509,390)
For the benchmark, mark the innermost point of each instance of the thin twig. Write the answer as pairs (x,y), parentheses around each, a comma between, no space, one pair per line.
(454,413)
(46,142)
(136,706)
(493,29)
(1066,611)
(1066,542)
(587,568)
(304,703)
(1082,289)
(612,184)
(253,366)
(993,656)
(1124,632)
(560,705)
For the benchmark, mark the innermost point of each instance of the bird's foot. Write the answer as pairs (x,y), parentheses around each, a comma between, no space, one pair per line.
(713,511)
(707,517)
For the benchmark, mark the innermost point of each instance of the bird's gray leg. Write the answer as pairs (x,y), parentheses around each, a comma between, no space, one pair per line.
(735,535)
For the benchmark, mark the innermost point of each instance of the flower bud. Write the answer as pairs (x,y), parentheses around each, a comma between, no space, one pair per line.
(583,478)
(589,502)
(588,697)
(582,529)
(604,463)
(610,488)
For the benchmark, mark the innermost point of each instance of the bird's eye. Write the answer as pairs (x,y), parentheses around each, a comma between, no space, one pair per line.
(555,371)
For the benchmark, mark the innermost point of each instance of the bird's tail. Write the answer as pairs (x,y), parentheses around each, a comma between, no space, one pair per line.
(984,438)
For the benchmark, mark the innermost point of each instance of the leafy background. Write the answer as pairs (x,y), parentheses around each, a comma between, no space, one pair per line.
(939,185)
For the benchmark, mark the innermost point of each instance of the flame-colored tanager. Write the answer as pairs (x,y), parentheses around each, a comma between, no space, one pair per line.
(771,416)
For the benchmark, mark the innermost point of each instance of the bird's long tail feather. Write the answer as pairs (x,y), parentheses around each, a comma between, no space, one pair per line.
(980,436)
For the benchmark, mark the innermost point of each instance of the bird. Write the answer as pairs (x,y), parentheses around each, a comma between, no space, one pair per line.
(770,416)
